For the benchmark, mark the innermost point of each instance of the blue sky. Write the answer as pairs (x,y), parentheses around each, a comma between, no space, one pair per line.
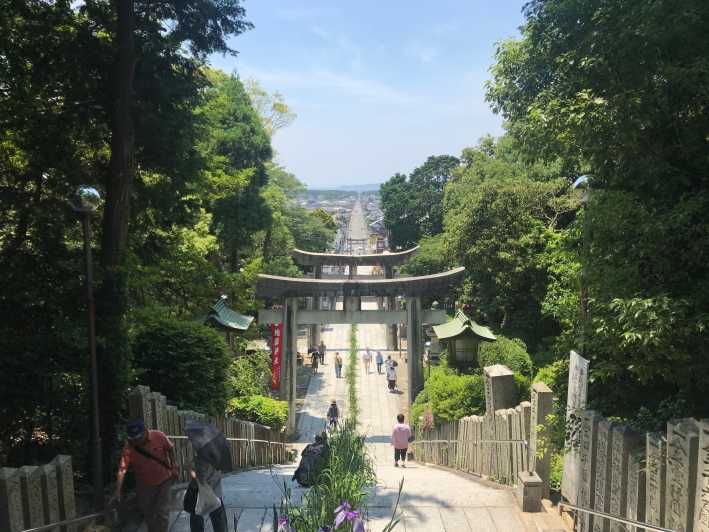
(377,86)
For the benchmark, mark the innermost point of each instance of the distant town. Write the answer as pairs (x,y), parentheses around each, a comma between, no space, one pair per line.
(339,203)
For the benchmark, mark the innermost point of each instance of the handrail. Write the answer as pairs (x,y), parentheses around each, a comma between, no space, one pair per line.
(236,439)
(525,442)
(616,518)
(72,521)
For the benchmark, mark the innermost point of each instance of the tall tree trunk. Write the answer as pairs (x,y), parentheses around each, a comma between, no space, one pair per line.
(113,301)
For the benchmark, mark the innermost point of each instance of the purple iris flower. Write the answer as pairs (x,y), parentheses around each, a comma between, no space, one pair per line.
(283,525)
(344,512)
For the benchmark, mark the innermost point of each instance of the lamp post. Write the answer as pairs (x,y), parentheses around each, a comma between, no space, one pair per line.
(584,184)
(85,201)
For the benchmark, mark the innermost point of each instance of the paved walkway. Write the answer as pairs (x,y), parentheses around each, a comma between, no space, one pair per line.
(432,500)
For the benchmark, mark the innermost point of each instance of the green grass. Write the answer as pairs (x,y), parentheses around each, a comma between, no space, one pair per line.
(351,377)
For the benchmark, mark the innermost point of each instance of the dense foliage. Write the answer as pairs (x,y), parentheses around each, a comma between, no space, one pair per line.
(194,206)
(185,361)
(618,92)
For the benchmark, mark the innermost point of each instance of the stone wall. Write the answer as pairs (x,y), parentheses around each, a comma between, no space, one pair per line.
(251,444)
(32,496)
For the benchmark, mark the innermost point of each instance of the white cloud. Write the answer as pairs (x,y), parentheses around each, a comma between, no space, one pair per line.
(342,44)
(423,53)
(368,90)
(301,13)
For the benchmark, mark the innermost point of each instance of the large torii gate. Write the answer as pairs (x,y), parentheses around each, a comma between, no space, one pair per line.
(386,261)
(290,289)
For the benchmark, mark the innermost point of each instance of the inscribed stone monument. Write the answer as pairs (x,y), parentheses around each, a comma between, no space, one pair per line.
(625,441)
(701,505)
(635,507)
(575,403)
(682,449)
(587,458)
(604,462)
(655,479)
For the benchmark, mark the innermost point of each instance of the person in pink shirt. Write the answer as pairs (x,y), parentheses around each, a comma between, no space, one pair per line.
(400,438)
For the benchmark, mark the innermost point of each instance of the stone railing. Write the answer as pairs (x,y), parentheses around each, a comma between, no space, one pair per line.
(32,496)
(503,444)
(251,445)
(658,479)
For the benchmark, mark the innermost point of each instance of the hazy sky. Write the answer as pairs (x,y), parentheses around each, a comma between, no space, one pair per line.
(378,86)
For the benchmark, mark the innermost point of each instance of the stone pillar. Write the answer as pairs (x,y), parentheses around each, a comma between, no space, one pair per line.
(500,388)
(701,505)
(655,479)
(682,454)
(392,343)
(625,442)
(31,486)
(636,488)
(50,494)
(604,463)
(315,327)
(289,361)
(414,346)
(65,483)
(11,518)
(575,404)
(541,408)
(587,457)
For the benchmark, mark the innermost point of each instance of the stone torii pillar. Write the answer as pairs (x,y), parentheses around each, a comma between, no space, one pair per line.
(315,305)
(289,360)
(392,343)
(414,346)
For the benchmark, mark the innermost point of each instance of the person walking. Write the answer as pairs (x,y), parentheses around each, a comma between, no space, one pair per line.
(367,359)
(151,456)
(322,347)
(400,438)
(205,473)
(389,362)
(391,377)
(314,360)
(338,365)
(333,413)
(379,360)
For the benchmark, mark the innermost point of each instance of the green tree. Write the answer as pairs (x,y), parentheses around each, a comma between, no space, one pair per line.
(635,117)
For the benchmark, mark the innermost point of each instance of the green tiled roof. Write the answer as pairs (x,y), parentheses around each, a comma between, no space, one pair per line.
(461,324)
(229,318)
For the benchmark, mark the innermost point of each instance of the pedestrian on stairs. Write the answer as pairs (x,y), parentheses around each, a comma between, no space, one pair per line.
(391,378)
(322,348)
(314,361)
(338,365)
(367,359)
(400,438)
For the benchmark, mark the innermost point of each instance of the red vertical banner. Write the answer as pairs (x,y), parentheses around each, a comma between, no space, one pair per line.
(276,352)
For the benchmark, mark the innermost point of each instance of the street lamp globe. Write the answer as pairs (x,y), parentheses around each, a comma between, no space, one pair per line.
(85,200)
(583,182)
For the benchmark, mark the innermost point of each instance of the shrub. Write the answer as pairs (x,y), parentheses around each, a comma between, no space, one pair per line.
(552,373)
(249,375)
(259,409)
(185,361)
(450,396)
(511,352)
